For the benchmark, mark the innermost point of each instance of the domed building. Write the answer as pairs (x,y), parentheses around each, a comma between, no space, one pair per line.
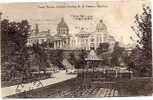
(62,28)
(91,40)
(62,37)
(81,40)
(101,27)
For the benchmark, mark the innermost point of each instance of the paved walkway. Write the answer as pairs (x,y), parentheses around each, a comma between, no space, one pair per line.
(58,77)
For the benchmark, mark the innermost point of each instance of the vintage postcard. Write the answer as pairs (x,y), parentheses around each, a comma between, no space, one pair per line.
(76,49)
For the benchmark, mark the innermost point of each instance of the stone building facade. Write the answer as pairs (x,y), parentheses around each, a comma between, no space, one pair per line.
(87,40)
(64,40)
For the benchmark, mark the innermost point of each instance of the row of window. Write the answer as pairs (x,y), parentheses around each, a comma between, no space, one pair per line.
(36,40)
(99,39)
(63,30)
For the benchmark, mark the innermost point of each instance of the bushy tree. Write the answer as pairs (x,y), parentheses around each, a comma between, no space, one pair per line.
(103,47)
(44,44)
(72,58)
(40,57)
(56,58)
(117,53)
(14,49)
(81,60)
(142,61)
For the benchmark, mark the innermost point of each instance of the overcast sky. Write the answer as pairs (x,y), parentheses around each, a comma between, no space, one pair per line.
(118,15)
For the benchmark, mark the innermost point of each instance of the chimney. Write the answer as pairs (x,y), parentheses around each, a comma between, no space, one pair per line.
(36,29)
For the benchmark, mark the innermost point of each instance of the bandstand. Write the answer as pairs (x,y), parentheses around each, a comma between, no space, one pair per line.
(92,61)
(94,73)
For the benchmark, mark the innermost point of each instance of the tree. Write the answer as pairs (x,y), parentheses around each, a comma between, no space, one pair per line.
(41,57)
(103,47)
(81,61)
(44,44)
(59,57)
(142,62)
(56,57)
(14,39)
(72,59)
(116,54)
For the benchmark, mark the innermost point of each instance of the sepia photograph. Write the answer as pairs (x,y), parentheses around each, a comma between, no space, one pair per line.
(76,49)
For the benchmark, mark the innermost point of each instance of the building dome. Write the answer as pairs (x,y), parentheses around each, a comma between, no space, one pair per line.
(62,28)
(101,27)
